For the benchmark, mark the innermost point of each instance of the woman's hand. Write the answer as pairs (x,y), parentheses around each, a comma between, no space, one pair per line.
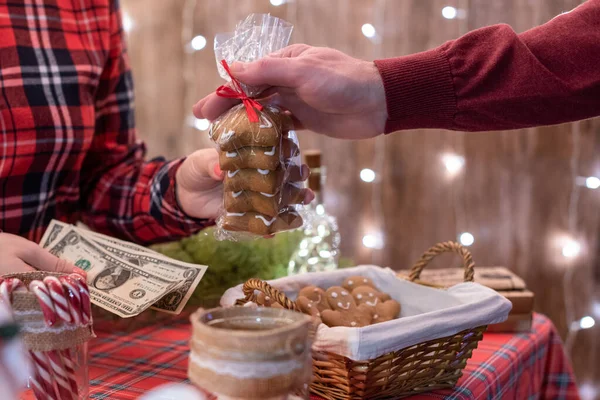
(22,255)
(200,184)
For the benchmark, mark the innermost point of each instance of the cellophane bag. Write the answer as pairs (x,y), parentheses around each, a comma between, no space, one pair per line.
(258,148)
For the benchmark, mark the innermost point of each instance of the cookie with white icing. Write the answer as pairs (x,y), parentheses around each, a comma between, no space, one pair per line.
(308,307)
(353,282)
(250,157)
(316,295)
(260,224)
(264,203)
(386,311)
(259,180)
(381,310)
(344,311)
(233,130)
(266,301)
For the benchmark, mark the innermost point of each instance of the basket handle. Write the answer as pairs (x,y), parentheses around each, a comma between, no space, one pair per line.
(445,247)
(256,284)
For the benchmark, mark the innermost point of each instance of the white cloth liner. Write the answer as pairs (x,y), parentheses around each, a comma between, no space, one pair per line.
(426,314)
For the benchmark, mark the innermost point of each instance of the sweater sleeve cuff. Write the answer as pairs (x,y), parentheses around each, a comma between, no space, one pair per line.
(166,208)
(419,91)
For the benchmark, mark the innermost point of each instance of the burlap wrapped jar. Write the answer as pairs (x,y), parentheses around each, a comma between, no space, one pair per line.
(251,353)
(65,342)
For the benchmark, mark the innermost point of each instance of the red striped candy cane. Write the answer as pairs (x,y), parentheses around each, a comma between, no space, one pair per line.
(4,294)
(59,298)
(61,377)
(43,374)
(8,286)
(69,361)
(86,307)
(36,386)
(43,296)
(17,286)
(74,298)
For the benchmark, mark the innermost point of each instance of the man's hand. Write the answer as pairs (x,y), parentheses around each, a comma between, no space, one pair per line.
(325,90)
(22,255)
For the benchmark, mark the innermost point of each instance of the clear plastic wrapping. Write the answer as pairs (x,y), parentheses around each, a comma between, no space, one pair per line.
(263,186)
(255,37)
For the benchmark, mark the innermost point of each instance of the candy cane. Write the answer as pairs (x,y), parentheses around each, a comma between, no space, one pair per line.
(68,358)
(17,286)
(59,298)
(8,286)
(4,294)
(67,389)
(61,377)
(86,308)
(36,386)
(74,298)
(43,296)
(43,375)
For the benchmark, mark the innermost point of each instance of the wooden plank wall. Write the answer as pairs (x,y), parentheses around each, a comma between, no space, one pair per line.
(517,193)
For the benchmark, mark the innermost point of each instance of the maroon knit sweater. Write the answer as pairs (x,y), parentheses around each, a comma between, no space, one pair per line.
(493,79)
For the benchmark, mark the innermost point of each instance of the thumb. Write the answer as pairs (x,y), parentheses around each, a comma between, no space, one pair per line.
(269,71)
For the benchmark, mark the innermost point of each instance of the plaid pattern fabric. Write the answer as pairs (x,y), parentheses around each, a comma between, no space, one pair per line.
(504,366)
(68,142)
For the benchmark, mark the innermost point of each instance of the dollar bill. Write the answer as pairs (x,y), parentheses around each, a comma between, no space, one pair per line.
(115,284)
(185,275)
(98,237)
(52,233)
(56,227)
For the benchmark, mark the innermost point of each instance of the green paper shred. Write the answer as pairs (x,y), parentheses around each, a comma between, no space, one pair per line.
(231,263)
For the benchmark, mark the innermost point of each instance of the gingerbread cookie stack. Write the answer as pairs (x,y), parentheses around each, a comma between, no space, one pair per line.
(262,184)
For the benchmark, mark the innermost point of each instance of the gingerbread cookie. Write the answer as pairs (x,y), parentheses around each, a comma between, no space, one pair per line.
(266,301)
(264,181)
(308,307)
(316,295)
(381,310)
(386,311)
(263,203)
(355,281)
(258,157)
(366,295)
(233,130)
(259,224)
(383,296)
(344,311)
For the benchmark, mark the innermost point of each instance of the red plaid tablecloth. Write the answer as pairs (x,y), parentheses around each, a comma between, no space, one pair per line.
(504,366)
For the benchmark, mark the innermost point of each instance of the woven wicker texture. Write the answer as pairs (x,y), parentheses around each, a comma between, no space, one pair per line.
(431,365)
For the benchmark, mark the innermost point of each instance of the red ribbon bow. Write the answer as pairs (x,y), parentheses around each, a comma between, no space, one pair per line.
(238,93)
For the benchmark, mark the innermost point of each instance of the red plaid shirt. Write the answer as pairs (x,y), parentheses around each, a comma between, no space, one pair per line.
(68,144)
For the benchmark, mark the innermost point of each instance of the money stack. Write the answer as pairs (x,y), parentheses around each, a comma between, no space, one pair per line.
(124,278)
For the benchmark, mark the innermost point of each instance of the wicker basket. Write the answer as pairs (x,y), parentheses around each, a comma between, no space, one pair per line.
(431,365)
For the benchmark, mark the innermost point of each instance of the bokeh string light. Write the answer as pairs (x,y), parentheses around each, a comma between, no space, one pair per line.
(454,162)
(374,239)
(127,22)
